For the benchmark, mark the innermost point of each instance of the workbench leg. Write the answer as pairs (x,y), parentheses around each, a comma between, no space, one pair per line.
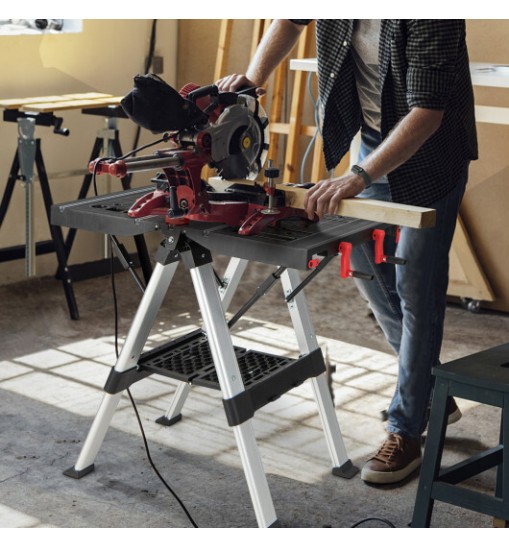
(307,341)
(174,413)
(231,384)
(128,359)
(56,234)
(231,279)
(9,187)
(232,276)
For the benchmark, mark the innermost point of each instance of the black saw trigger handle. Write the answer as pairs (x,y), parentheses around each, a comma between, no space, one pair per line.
(205,91)
(248,91)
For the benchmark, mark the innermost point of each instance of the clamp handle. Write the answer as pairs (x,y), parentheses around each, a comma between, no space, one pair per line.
(345,248)
(59,130)
(379,235)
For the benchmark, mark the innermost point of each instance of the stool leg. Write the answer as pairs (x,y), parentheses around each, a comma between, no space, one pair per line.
(502,487)
(432,455)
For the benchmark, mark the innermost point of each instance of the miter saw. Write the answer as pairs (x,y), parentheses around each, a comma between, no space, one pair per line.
(228,131)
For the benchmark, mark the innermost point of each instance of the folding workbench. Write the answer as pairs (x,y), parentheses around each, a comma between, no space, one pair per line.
(247,379)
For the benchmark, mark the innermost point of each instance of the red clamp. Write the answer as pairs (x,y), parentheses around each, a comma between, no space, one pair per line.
(379,235)
(313,263)
(345,248)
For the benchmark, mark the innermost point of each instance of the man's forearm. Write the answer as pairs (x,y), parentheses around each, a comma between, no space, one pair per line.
(276,44)
(403,142)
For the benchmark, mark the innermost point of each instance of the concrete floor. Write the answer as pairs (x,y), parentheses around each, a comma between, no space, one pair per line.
(52,370)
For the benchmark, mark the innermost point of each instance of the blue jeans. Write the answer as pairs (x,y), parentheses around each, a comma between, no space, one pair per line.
(409,301)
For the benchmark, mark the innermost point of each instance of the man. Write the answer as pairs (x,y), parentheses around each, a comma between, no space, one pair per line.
(406,85)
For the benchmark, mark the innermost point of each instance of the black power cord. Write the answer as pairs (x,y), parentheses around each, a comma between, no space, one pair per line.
(145,443)
(386,521)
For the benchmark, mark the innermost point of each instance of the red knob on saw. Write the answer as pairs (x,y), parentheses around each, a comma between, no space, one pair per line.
(118,169)
(99,167)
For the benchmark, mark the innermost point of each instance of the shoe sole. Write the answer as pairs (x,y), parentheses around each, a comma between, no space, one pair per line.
(373,476)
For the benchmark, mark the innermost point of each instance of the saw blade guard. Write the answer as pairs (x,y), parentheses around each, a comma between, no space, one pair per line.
(240,139)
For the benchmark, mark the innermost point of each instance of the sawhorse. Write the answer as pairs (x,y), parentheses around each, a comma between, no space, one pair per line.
(28,154)
(29,113)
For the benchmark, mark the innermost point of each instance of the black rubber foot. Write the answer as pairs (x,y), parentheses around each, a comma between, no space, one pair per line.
(275,525)
(168,422)
(347,470)
(78,474)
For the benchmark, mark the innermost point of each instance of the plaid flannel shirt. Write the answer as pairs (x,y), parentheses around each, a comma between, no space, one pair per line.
(423,63)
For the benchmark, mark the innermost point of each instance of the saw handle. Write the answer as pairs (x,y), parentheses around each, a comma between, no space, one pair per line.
(205,91)
(100,167)
(121,168)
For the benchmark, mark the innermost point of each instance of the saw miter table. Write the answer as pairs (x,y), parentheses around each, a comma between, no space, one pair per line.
(239,218)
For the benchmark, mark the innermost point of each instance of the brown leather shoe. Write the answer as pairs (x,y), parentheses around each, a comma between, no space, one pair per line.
(398,457)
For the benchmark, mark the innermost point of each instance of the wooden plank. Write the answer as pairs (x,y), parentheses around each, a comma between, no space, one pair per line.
(259,28)
(16,103)
(297,107)
(20,101)
(491,115)
(87,95)
(70,104)
(466,277)
(318,165)
(223,48)
(359,208)
(276,107)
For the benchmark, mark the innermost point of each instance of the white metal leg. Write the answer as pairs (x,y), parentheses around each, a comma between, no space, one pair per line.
(138,333)
(307,342)
(174,413)
(231,384)
(232,277)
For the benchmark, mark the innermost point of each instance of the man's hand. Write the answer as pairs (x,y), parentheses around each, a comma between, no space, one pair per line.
(324,196)
(237,82)
(275,45)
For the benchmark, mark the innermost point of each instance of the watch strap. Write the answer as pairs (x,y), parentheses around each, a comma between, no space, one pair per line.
(358,170)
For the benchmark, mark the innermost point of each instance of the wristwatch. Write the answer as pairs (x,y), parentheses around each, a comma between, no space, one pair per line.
(358,170)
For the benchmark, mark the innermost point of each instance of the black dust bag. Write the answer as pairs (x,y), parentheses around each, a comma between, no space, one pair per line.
(155,105)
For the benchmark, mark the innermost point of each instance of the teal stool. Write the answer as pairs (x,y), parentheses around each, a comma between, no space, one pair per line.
(482,377)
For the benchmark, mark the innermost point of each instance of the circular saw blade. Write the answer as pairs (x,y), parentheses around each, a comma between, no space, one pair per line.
(248,139)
